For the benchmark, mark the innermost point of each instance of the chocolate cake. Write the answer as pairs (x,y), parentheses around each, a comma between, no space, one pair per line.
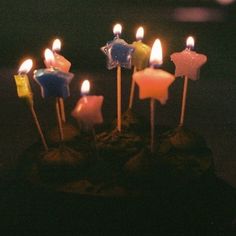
(118,164)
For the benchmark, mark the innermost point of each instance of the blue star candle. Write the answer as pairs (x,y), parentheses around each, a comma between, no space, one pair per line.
(118,54)
(53,82)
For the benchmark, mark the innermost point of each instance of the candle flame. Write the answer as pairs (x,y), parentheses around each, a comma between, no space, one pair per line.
(190,42)
(49,56)
(156,53)
(117,29)
(85,87)
(140,33)
(25,67)
(56,46)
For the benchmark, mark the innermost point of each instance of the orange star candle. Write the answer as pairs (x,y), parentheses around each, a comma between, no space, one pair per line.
(59,62)
(187,64)
(154,83)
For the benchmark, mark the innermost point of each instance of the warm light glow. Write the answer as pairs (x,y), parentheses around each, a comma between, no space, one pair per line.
(156,53)
(85,87)
(117,29)
(225,2)
(25,66)
(190,42)
(56,46)
(140,33)
(49,56)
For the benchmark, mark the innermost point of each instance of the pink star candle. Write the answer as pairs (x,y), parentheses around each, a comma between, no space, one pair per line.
(154,83)
(187,64)
(88,108)
(59,62)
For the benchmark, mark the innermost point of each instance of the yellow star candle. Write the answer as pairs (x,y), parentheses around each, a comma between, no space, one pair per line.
(140,59)
(154,83)
(22,81)
(24,91)
(187,64)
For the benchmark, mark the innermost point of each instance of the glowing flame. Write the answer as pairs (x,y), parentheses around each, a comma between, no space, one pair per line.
(156,53)
(25,67)
(49,56)
(85,87)
(140,33)
(56,46)
(190,42)
(117,29)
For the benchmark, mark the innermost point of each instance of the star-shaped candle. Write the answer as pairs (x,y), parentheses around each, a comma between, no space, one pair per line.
(88,108)
(22,80)
(24,91)
(53,82)
(154,83)
(118,54)
(141,55)
(187,64)
(140,59)
(59,62)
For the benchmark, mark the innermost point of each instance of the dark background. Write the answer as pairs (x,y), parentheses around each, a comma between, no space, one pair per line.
(27,27)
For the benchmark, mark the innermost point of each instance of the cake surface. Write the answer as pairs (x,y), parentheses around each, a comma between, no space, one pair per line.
(119,164)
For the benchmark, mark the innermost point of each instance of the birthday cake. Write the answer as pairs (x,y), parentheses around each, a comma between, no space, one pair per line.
(119,164)
(124,158)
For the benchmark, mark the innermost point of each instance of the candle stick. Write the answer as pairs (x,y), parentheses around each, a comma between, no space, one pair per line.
(118,54)
(54,83)
(187,64)
(140,59)
(154,83)
(59,120)
(24,91)
(119,98)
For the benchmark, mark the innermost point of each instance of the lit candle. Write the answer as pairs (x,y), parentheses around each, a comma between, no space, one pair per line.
(154,83)
(187,64)
(141,55)
(140,59)
(59,62)
(88,108)
(53,83)
(22,80)
(118,54)
(24,91)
